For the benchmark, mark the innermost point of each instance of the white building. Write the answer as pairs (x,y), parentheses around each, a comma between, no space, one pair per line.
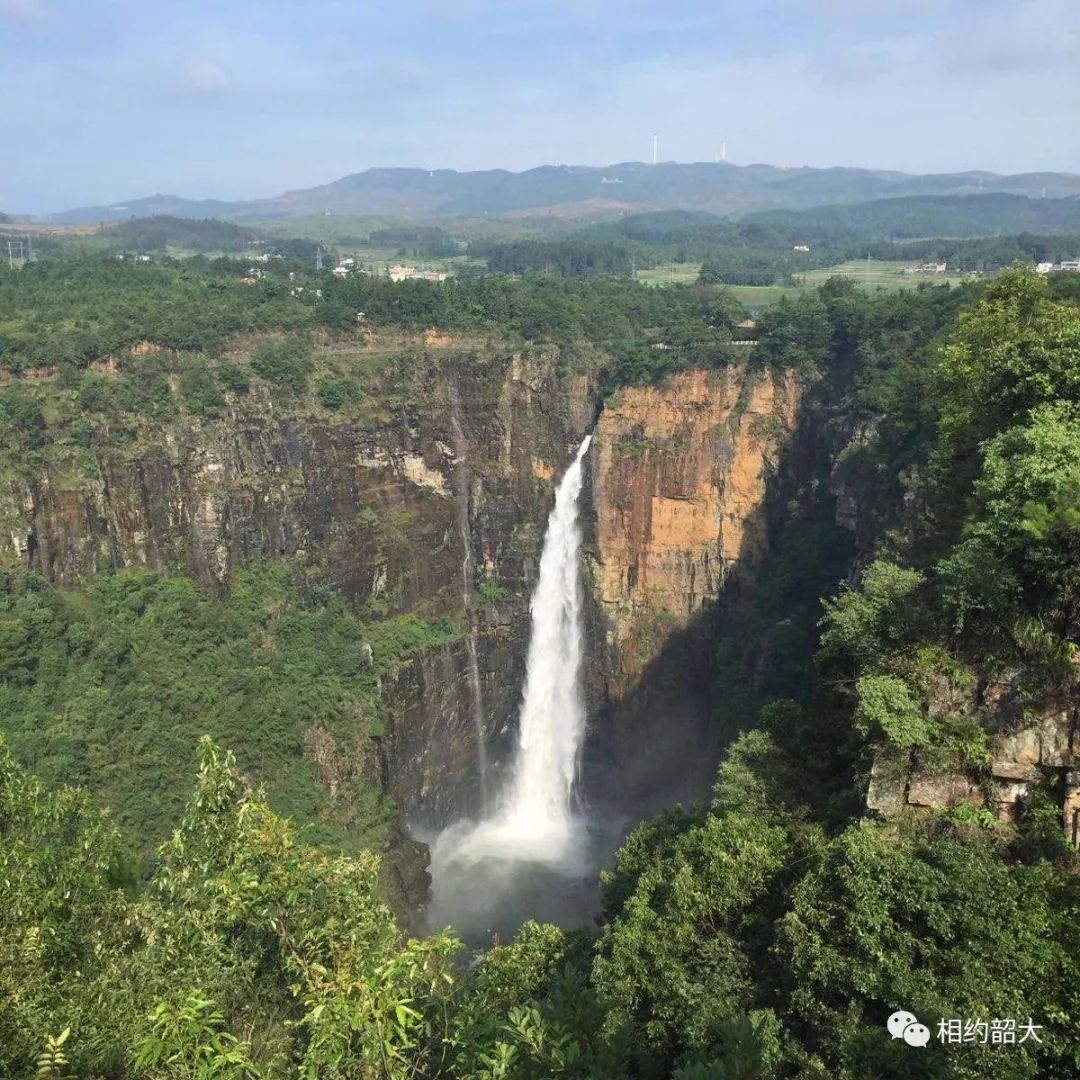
(412,273)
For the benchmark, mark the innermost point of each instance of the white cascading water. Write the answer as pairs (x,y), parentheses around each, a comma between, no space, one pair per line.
(534,820)
(538,804)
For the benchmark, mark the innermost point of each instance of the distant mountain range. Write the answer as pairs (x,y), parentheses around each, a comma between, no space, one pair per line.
(574,191)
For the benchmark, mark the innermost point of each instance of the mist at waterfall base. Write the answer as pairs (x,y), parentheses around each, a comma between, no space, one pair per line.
(535,855)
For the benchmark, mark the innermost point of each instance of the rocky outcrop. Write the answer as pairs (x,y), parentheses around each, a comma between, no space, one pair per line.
(679,475)
(1044,750)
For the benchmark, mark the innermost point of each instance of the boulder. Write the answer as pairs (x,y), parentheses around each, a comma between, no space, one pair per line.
(1014,770)
(885,795)
(1058,743)
(1022,747)
(939,790)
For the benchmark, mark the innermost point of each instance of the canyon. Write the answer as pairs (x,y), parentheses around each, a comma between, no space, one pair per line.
(431,498)
(464,447)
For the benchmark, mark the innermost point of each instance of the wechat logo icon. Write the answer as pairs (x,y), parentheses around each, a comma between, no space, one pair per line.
(905,1025)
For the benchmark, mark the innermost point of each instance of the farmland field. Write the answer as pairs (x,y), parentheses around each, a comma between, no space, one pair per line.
(872,273)
(670,274)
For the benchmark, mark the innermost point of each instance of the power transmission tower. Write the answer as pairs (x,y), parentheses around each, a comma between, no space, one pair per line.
(318,258)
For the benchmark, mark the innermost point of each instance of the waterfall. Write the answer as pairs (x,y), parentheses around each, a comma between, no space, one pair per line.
(478,867)
(552,726)
(463,483)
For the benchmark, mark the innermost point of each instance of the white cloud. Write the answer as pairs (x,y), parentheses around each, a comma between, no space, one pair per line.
(205,77)
(22,10)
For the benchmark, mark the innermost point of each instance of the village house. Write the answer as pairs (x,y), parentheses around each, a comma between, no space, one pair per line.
(412,273)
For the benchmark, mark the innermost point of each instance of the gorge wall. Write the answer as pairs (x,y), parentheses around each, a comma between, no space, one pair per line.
(364,502)
(369,502)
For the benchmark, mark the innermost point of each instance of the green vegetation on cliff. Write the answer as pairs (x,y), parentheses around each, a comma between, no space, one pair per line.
(110,689)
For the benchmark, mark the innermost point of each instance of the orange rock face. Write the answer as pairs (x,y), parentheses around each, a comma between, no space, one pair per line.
(436,339)
(679,481)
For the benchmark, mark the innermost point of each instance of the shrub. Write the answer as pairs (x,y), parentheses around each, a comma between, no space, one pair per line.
(285,362)
(234,377)
(201,393)
(490,591)
(20,410)
(887,708)
(333,393)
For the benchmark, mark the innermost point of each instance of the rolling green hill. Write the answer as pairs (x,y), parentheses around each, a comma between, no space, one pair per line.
(719,187)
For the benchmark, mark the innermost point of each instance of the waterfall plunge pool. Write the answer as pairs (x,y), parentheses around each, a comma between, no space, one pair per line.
(488,877)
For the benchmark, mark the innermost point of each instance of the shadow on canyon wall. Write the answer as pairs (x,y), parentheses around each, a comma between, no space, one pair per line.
(660,743)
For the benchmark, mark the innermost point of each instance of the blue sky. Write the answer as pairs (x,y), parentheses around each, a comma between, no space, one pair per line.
(104,100)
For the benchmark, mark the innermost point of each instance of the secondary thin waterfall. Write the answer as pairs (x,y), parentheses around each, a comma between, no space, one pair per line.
(463,481)
(552,727)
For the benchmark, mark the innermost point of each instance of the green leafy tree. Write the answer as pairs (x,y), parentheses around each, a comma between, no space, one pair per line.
(285,362)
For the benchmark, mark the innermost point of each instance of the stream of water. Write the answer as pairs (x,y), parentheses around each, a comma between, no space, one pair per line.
(532,857)
(462,481)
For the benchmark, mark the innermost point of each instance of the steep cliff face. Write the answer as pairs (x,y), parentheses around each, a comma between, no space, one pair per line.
(365,501)
(679,480)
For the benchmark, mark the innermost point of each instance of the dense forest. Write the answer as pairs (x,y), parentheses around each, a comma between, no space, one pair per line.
(918,216)
(141,655)
(160,232)
(74,311)
(767,933)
